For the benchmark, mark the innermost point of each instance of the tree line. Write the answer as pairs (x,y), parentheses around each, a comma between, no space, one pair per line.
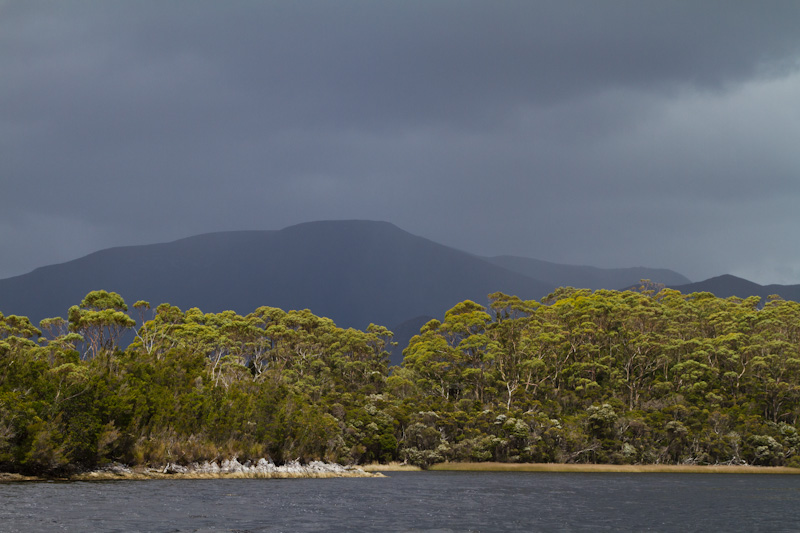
(627,377)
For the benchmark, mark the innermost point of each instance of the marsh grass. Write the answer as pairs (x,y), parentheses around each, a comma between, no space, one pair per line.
(390,467)
(627,469)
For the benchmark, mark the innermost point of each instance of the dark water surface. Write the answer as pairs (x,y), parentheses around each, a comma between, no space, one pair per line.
(413,501)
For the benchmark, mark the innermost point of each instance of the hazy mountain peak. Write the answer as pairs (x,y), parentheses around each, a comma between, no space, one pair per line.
(353,271)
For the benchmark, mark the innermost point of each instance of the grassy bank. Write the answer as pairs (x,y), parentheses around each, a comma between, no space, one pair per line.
(555,467)
(585,468)
(391,467)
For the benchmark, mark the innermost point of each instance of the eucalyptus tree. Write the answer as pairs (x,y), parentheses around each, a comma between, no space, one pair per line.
(775,362)
(465,328)
(510,359)
(566,334)
(433,361)
(157,334)
(260,336)
(641,342)
(17,326)
(359,359)
(101,320)
(16,342)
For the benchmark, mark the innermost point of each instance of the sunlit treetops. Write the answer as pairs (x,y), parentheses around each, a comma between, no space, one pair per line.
(647,376)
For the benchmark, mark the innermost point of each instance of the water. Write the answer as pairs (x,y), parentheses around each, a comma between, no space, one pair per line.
(412,501)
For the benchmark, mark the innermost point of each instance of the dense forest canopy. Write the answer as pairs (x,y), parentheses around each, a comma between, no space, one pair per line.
(647,376)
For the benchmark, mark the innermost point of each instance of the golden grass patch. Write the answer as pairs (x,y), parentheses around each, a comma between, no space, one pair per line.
(390,467)
(557,467)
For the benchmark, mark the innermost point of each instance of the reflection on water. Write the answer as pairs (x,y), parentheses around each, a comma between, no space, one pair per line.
(413,501)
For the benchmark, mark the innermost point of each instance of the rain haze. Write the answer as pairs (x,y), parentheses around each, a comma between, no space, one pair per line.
(613,134)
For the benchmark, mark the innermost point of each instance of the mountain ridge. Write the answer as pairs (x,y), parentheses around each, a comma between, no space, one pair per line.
(728,285)
(335,268)
(353,271)
(586,277)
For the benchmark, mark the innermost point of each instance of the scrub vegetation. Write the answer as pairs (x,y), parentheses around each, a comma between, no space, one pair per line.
(641,377)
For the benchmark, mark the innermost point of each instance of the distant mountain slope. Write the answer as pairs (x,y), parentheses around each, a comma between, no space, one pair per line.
(586,277)
(354,272)
(727,285)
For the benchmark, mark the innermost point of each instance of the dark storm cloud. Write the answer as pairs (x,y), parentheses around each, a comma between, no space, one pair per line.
(615,133)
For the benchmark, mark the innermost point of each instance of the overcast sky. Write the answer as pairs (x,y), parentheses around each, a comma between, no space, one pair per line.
(610,133)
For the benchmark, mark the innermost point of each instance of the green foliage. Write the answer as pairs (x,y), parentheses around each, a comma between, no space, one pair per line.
(101,320)
(623,377)
(606,376)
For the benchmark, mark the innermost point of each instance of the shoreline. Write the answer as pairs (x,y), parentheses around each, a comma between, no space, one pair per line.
(228,469)
(319,470)
(586,468)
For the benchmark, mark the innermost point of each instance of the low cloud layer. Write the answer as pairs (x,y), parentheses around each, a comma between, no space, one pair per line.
(618,133)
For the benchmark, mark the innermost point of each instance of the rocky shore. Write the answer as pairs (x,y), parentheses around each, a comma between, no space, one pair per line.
(229,468)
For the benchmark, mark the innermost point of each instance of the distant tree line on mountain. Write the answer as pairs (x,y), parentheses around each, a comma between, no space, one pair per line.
(633,377)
